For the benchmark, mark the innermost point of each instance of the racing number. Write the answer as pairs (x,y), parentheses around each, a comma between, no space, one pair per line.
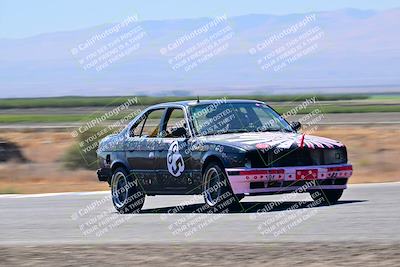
(175,162)
(178,165)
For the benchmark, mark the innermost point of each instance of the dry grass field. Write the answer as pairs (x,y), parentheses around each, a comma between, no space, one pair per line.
(373,150)
(44,172)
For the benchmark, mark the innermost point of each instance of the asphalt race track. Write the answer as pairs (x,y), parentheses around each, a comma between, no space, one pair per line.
(83,229)
(366,212)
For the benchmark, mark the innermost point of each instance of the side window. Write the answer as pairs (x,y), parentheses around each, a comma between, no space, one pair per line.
(148,125)
(176,123)
(152,123)
(136,129)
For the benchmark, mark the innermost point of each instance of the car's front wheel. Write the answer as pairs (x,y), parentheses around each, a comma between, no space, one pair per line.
(126,194)
(216,190)
(327,197)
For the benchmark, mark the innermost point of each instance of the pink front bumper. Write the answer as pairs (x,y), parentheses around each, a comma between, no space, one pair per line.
(287,179)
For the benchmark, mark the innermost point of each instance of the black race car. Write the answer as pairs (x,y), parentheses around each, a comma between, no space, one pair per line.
(221,149)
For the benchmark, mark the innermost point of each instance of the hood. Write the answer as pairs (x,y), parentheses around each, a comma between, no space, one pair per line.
(268,140)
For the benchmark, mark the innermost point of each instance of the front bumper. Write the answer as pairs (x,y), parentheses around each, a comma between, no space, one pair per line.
(255,181)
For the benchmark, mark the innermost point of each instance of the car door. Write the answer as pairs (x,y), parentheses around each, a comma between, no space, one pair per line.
(173,156)
(140,148)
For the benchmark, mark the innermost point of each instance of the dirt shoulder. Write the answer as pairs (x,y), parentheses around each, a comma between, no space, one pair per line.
(373,151)
(267,254)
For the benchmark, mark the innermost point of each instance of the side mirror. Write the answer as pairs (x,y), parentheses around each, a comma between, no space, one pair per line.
(179,132)
(295,125)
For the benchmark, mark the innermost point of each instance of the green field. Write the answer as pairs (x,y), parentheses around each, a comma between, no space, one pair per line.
(100,105)
(71,101)
(52,118)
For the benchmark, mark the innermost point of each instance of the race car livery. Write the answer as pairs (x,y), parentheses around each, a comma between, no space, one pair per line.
(215,148)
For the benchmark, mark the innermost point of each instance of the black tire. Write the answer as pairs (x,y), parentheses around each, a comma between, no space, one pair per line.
(327,197)
(217,191)
(126,195)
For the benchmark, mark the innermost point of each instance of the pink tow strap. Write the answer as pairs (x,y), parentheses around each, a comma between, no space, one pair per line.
(302,141)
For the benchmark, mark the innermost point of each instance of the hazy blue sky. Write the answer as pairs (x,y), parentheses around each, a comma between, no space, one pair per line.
(24,18)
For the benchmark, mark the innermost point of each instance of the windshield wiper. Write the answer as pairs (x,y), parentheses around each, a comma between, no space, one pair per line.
(237,131)
(247,131)
(271,130)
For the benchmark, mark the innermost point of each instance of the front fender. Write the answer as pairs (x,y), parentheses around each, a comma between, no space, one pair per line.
(228,156)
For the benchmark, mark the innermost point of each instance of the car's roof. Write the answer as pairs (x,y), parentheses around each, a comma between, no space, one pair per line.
(194,102)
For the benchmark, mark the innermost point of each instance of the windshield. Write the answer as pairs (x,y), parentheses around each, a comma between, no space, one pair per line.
(209,119)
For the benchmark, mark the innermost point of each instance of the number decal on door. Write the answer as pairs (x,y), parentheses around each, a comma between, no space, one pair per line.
(175,162)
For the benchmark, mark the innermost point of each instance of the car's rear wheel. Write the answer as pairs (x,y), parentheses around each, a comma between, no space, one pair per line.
(126,194)
(217,191)
(327,197)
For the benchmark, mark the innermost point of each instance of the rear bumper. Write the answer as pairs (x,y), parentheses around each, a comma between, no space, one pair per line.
(104,174)
(255,181)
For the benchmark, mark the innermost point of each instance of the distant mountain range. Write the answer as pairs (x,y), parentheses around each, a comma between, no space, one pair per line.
(358,51)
